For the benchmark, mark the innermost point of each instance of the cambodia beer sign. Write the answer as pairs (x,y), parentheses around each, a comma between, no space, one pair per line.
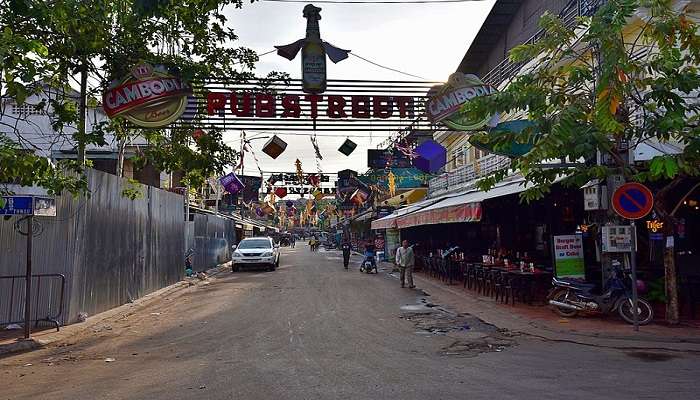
(149,96)
(446,100)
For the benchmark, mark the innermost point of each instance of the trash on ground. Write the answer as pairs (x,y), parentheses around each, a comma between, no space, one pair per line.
(12,327)
(110,359)
(155,313)
(82,316)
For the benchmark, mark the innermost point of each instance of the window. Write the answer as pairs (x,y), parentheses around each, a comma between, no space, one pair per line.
(254,244)
(26,109)
(457,157)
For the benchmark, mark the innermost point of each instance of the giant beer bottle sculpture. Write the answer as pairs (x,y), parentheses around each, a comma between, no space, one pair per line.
(313,53)
(313,56)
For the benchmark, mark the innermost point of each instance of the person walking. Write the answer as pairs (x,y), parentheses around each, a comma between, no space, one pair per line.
(346,253)
(292,240)
(405,261)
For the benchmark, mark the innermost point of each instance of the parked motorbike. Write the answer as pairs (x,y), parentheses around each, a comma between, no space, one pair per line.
(369,264)
(570,298)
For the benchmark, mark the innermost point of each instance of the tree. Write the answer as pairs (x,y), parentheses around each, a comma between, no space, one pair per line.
(61,47)
(626,75)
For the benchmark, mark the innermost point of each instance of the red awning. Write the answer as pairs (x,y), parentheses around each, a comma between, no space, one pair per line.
(470,212)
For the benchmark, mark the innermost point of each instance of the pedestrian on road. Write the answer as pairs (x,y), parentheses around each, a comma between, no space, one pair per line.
(292,241)
(405,261)
(346,253)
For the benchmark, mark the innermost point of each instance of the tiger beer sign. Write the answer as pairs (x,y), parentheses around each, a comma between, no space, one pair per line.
(150,97)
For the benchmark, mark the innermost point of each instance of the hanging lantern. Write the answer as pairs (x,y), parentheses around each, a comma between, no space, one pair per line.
(431,157)
(281,192)
(314,180)
(274,147)
(231,183)
(259,212)
(359,197)
(300,172)
(347,147)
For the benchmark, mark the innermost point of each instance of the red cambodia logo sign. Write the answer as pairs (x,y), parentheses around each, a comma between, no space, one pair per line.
(149,97)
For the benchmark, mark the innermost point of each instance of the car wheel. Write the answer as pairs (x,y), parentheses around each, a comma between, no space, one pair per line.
(271,267)
(234,268)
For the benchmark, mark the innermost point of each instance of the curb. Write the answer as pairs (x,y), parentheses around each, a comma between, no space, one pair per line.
(522,325)
(23,345)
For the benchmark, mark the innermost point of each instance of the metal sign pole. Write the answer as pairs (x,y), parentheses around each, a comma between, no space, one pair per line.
(28,287)
(633,267)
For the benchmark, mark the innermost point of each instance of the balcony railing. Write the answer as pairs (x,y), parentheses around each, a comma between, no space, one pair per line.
(507,70)
(466,175)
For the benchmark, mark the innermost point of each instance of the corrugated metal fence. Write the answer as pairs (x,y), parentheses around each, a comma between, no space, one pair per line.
(110,249)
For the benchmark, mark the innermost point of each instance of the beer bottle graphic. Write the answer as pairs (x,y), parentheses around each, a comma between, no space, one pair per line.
(313,56)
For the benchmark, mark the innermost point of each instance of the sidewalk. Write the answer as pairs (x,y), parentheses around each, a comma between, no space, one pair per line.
(540,321)
(48,335)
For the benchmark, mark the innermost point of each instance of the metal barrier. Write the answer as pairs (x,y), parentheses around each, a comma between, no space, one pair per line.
(47,303)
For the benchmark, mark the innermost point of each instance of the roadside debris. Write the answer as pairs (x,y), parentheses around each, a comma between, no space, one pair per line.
(82,316)
(12,327)
(110,359)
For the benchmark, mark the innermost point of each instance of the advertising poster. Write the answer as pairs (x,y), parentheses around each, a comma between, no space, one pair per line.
(393,241)
(568,256)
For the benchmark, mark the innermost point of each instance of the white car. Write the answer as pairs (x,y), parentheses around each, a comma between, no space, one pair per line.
(255,252)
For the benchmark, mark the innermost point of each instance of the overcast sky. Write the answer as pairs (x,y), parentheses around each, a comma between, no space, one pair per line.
(427,40)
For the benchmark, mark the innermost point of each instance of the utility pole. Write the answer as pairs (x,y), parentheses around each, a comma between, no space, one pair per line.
(28,283)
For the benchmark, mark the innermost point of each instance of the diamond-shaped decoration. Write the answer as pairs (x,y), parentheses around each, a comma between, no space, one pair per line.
(348,147)
(431,157)
(231,183)
(280,192)
(274,147)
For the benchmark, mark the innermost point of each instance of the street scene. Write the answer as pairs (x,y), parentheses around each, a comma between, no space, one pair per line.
(311,329)
(284,199)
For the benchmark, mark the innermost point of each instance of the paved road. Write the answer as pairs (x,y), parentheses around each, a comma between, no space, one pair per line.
(311,330)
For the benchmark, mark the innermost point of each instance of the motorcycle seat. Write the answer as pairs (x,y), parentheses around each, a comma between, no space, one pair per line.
(573,283)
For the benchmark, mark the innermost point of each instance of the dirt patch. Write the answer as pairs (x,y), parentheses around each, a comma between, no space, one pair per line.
(471,336)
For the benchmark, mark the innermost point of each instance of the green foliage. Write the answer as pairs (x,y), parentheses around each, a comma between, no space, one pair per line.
(45,46)
(611,78)
(132,190)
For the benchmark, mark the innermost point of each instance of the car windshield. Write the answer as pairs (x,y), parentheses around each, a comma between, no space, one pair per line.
(254,244)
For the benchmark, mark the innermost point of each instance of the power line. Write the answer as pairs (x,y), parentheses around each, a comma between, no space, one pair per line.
(387,68)
(373,1)
(356,55)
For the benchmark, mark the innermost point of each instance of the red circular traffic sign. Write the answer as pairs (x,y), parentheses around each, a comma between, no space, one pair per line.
(632,200)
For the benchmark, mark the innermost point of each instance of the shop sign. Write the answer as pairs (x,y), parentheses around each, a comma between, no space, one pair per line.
(568,256)
(150,97)
(380,159)
(330,191)
(446,100)
(266,105)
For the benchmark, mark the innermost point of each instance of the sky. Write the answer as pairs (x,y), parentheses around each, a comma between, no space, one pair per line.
(427,40)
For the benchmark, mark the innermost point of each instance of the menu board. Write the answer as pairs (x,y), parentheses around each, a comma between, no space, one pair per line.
(568,256)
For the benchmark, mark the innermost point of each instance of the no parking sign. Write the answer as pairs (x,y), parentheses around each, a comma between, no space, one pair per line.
(632,200)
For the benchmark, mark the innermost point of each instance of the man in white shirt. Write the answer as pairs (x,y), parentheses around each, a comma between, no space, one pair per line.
(405,261)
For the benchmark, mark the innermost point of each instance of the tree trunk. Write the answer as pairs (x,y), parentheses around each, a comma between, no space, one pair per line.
(82,109)
(121,146)
(672,306)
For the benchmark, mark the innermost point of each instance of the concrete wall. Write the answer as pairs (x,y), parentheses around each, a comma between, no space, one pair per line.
(522,27)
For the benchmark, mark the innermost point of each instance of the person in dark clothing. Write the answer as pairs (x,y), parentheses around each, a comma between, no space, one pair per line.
(346,253)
